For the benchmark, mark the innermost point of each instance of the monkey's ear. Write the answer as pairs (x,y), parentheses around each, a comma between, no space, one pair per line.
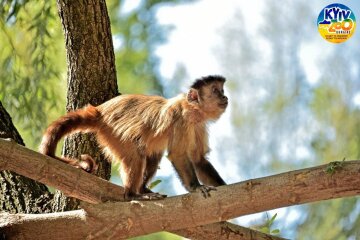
(193,95)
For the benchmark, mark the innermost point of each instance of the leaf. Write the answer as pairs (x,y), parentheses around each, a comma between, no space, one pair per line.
(154,184)
(272,219)
(265,230)
(334,166)
(275,231)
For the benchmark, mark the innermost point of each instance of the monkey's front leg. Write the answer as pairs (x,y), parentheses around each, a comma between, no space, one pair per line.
(205,190)
(207,173)
(187,175)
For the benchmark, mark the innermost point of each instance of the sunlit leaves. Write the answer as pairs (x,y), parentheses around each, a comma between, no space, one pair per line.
(31,61)
(137,34)
(154,183)
(10,8)
(268,226)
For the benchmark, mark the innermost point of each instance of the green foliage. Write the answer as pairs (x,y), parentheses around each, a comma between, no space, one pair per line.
(136,34)
(333,219)
(268,225)
(154,183)
(29,64)
(339,135)
(332,167)
(10,8)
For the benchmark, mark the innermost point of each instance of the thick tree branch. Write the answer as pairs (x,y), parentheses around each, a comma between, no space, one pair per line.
(223,230)
(76,225)
(92,189)
(257,195)
(71,181)
(138,218)
(20,194)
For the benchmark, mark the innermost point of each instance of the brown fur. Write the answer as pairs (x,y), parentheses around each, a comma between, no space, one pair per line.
(136,130)
(85,119)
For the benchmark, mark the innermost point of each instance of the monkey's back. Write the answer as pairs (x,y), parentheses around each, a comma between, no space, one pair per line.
(139,119)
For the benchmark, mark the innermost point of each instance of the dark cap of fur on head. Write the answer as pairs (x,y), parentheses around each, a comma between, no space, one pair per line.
(200,82)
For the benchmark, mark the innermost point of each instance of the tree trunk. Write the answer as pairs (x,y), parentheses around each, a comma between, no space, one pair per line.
(20,194)
(91,74)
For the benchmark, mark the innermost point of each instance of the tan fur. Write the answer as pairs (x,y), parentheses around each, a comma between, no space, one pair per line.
(137,129)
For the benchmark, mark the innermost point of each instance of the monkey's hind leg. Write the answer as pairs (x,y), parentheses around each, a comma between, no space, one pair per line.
(152,164)
(132,174)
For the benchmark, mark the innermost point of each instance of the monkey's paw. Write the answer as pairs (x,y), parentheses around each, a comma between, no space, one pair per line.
(205,190)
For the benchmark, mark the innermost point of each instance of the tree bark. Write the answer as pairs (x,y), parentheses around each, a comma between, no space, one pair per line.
(224,230)
(91,74)
(20,194)
(127,219)
(72,181)
(75,225)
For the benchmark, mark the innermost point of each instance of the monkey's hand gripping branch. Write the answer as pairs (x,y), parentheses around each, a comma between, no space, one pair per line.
(205,190)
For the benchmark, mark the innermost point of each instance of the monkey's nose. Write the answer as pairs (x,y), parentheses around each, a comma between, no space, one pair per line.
(224,98)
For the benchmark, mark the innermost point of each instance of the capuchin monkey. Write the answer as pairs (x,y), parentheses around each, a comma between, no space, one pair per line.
(137,129)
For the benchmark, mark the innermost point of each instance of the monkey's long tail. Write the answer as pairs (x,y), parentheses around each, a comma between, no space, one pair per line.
(85,119)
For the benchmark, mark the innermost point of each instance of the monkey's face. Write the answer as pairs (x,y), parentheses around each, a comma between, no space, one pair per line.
(212,99)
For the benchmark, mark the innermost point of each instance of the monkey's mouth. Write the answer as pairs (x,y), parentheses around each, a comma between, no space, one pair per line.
(223,104)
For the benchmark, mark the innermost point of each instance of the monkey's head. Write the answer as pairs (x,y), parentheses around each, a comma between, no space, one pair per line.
(208,94)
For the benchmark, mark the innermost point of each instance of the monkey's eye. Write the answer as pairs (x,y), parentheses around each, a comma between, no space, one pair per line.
(215,90)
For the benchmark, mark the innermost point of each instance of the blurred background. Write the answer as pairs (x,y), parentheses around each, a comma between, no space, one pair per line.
(294,97)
